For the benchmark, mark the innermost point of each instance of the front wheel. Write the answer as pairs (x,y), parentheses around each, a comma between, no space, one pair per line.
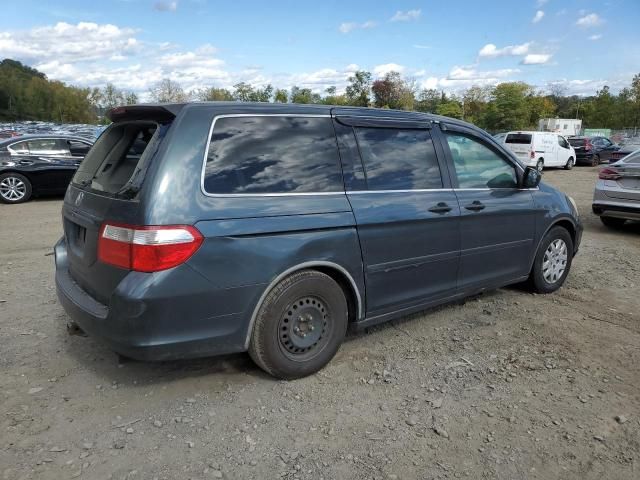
(299,326)
(14,188)
(569,164)
(553,261)
(540,165)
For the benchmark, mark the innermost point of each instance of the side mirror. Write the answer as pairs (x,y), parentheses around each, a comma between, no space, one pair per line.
(531,177)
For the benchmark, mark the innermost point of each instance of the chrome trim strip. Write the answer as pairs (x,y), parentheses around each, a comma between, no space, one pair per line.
(301,266)
(234,195)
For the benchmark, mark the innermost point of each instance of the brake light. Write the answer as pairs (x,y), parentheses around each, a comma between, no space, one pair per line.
(609,174)
(147,248)
(587,144)
(532,154)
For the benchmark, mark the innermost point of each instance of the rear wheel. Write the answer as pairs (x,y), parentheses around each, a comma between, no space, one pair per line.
(299,326)
(540,165)
(612,222)
(595,160)
(14,188)
(553,261)
(569,164)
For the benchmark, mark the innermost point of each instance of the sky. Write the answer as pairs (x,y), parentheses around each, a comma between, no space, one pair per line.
(449,45)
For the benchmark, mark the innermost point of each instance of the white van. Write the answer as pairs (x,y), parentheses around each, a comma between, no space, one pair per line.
(541,149)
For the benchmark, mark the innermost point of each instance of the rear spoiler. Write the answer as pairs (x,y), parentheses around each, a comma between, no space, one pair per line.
(158,112)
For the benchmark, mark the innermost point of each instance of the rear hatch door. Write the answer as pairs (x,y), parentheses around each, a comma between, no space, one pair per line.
(105,188)
(520,145)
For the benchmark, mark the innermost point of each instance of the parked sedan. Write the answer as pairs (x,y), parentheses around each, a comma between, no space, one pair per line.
(592,150)
(617,195)
(32,165)
(626,148)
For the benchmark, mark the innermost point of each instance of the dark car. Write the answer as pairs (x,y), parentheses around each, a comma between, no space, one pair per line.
(627,147)
(592,150)
(272,228)
(32,165)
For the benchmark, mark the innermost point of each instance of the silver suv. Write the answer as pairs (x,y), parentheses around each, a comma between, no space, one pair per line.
(617,195)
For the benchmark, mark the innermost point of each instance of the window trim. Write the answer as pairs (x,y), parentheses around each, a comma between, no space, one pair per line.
(26,140)
(249,195)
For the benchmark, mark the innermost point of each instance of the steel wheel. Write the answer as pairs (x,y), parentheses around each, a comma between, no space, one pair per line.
(13,189)
(540,165)
(554,262)
(303,327)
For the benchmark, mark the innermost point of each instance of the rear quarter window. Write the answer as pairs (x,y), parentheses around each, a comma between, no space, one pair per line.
(272,154)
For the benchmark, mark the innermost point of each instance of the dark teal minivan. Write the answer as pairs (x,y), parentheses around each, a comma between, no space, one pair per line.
(208,228)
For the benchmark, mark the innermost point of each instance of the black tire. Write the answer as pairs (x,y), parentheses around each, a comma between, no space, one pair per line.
(540,164)
(14,188)
(305,303)
(595,160)
(537,281)
(569,164)
(613,222)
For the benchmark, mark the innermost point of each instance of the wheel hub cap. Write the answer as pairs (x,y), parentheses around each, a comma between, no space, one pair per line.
(554,262)
(12,188)
(303,325)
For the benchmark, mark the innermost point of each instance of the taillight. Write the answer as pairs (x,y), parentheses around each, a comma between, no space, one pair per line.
(587,144)
(609,174)
(532,154)
(147,248)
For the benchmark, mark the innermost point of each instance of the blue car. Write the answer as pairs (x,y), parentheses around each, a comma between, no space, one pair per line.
(208,228)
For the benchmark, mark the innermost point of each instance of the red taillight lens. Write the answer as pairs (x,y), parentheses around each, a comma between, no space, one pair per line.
(147,249)
(609,174)
(587,144)
(532,154)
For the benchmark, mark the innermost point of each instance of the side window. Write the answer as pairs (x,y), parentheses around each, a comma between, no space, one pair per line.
(271,154)
(398,159)
(477,166)
(562,142)
(46,146)
(606,142)
(20,148)
(352,170)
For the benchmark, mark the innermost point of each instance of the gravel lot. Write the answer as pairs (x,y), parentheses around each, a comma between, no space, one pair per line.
(507,385)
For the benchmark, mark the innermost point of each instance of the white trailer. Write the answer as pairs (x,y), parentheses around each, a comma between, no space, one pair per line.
(563,126)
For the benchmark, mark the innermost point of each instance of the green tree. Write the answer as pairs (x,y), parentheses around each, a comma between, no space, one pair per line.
(280,96)
(242,92)
(450,108)
(167,91)
(509,108)
(213,94)
(359,89)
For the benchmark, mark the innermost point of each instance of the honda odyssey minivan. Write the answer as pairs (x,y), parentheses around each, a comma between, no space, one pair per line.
(208,228)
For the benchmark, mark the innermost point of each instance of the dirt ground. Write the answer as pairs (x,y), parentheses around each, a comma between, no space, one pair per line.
(508,385)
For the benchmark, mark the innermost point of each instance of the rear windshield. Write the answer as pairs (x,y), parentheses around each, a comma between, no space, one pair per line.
(577,142)
(521,138)
(119,156)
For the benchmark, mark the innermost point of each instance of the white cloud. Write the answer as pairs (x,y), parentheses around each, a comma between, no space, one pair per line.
(538,16)
(589,20)
(597,36)
(536,59)
(491,51)
(381,70)
(402,16)
(66,42)
(347,27)
(166,6)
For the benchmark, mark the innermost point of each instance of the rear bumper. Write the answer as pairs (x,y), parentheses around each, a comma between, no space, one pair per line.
(164,322)
(584,158)
(612,209)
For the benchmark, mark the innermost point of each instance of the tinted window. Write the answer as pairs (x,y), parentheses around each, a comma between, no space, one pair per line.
(46,146)
(21,148)
(562,142)
(477,166)
(77,148)
(577,142)
(352,170)
(520,138)
(273,155)
(398,159)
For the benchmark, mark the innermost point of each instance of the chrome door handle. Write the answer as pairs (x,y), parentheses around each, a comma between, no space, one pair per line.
(440,208)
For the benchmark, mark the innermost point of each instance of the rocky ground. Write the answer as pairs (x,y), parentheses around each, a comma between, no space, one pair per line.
(507,385)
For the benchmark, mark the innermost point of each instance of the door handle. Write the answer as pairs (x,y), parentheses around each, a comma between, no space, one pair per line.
(476,206)
(441,207)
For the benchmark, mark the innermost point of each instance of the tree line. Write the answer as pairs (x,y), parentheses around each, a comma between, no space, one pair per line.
(26,94)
